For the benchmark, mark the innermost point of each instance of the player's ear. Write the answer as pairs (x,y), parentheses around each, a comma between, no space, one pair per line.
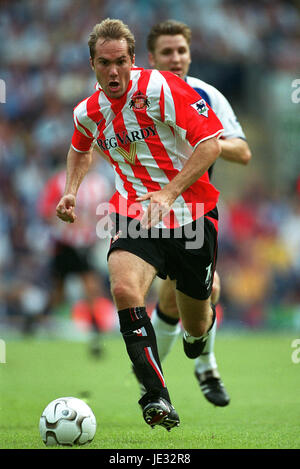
(151,59)
(92,63)
(133,60)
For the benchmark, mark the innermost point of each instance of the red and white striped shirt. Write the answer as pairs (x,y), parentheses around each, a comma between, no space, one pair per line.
(148,135)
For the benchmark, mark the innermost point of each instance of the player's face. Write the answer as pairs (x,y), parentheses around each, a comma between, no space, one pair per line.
(112,65)
(172,54)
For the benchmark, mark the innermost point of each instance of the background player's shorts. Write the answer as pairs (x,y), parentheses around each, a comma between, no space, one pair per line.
(193,268)
(68,260)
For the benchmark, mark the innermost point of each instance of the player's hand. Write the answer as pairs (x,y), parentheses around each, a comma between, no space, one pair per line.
(65,209)
(160,205)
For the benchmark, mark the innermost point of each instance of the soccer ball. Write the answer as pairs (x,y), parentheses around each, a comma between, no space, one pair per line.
(67,421)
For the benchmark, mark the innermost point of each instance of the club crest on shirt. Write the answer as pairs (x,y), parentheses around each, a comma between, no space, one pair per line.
(201,107)
(139,101)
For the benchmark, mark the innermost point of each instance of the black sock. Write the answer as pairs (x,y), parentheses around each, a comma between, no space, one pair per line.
(165,318)
(140,340)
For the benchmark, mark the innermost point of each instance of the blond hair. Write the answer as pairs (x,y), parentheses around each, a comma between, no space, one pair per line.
(111,29)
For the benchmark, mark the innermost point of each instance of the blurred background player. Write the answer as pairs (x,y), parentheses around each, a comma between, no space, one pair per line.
(73,250)
(169,49)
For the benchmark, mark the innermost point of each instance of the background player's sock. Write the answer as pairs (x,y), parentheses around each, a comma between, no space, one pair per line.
(140,340)
(166,329)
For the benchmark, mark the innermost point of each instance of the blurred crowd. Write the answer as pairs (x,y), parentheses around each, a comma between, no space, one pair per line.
(44,65)
(259,259)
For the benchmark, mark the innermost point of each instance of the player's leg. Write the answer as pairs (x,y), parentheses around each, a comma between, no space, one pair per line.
(216,290)
(165,318)
(91,283)
(206,368)
(207,360)
(131,278)
(198,318)
(58,272)
(195,281)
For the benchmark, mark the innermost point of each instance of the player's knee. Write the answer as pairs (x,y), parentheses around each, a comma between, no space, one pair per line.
(126,295)
(199,323)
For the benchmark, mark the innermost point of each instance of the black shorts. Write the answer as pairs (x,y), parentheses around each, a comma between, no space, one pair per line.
(189,260)
(68,260)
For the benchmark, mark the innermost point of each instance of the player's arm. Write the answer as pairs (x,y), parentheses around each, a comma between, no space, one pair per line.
(235,150)
(203,156)
(102,154)
(234,146)
(78,164)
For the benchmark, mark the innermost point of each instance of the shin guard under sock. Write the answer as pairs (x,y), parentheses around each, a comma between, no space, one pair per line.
(140,340)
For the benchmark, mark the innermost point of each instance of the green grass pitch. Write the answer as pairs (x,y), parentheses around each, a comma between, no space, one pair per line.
(257,370)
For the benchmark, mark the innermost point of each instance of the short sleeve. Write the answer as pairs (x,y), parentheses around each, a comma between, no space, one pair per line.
(82,138)
(186,111)
(224,111)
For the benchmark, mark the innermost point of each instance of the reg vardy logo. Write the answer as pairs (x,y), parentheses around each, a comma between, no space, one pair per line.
(125,139)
